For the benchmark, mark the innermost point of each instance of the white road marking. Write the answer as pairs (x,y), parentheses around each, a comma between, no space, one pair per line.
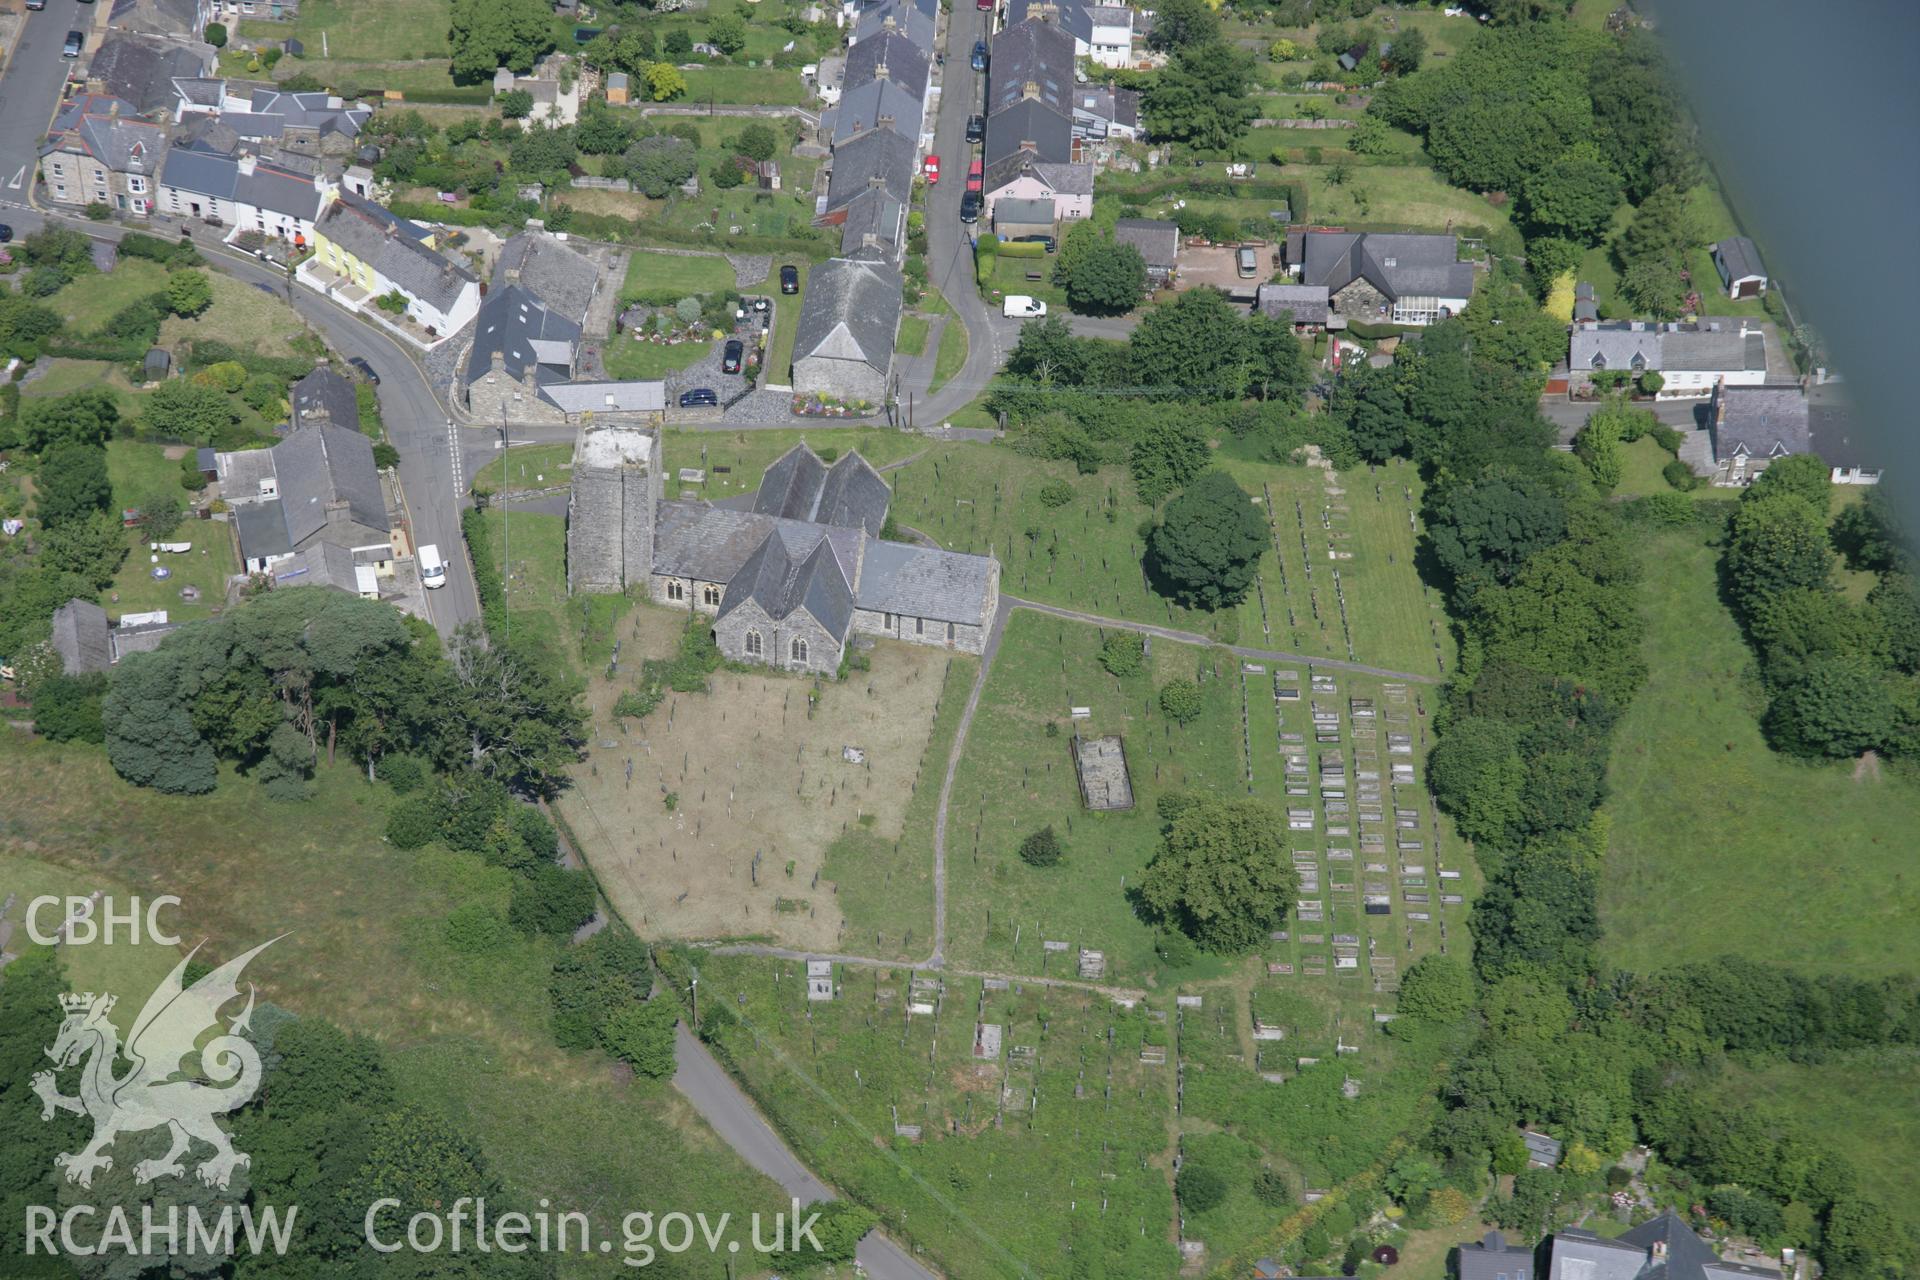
(18,178)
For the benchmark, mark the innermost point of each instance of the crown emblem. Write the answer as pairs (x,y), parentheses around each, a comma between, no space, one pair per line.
(81,1001)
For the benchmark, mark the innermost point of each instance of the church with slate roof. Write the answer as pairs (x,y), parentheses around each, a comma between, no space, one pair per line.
(789,574)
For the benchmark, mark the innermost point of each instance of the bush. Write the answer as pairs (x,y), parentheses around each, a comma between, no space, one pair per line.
(1120,653)
(1055,493)
(1273,1188)
(67,708)
(1042,848)
(1679,475)
(1200,1187)
(1181,700)
(98,210)
(404,773)
(475,929)
(552,900)
(1651,382)
(1668,438)
(413,823)
(228,376)
(216,34)
(515,104)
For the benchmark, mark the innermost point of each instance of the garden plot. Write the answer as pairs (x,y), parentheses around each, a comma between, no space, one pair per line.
(712,816)
(999,1125)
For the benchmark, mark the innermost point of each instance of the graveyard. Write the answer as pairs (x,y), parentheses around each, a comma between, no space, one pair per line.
(1002,1124)
(712,816)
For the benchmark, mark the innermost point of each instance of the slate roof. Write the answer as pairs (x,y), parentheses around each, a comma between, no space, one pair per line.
(263,530)
(561,277)
(1115,106)
(1712,349)
(1031,127)
(1581,1255)
(1586,305)
(912,18)
(200,91)
(141,69)
(157,17)
(904,62)
(323,396)
(201,172)
(279,190)
(1614,346)
(1031,57)
(781,582)
(874,213)
(512,321)
(1307,303)
(924,582)
(1157,240)
(1075,16)
(1062,179)
(1399,266)
(1492,1258)
(883,156)
(606,397)
(1737,259)
(711,544)
(323,564)
(321,464)
(105,127)
(417,270)
(80,637)
(1830,424)
(1761,422)
(873,105)
(273,111)
(851,312)
(799,486)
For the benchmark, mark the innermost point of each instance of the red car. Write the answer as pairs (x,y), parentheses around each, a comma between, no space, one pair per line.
(932,169)
(985,6)
(974,174)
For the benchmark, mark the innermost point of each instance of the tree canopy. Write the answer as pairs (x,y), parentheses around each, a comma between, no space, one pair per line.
(1207,548)
(1222,875)
(489,34)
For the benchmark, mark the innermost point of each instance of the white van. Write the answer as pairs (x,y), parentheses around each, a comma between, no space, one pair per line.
(1249,263)
(433,570)
(1018,306)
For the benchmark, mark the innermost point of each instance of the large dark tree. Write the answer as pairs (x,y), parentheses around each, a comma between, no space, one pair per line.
(72,484)
(1207,547)
(1487,527)
(488,34)
(1192,348)
(1107,278)
(1222,876)
(1369,402)
(1201,97)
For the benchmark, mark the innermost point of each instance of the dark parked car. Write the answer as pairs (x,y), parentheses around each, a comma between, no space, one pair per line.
(1045,240)
(970,207)
(979,55)
(976,128)
(731,355)
(366,370)
(699,396)
(6,233)
(76,41)
(789,279)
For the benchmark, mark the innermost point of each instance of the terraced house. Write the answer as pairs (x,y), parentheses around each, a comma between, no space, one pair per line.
(363,253)
(97,152)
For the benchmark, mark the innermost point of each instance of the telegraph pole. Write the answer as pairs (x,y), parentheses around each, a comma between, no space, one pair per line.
(506,548)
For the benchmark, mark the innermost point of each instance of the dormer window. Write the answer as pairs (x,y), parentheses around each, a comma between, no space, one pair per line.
(1599,360)
(1639,362)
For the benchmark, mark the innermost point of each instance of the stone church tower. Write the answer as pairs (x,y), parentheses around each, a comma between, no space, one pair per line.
(610,515)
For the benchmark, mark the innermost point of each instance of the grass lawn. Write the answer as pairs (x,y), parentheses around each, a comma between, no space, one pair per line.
(242,316)
(1708,824)
(127,967)
(366,947)
(377,30)
(686,274)
(1410,195)
(1640,466)
(362,78)
(627,358)
(1010,276)
(951,353)
(761,86)
(139,470)
(913,335)
(786,324)
(64,377)
(734,462)
(1866,1104)
(528,466)
(93,299)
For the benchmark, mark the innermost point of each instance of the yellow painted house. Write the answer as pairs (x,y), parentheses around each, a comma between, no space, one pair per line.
(378,252)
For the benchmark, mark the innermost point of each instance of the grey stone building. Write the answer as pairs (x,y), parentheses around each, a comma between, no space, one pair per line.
(610,514)
(848,323)
(1372,277)
(789,575)
(324,398)
(310,511)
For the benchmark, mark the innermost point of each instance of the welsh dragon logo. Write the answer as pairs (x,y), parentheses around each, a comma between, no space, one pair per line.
(154,1091)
